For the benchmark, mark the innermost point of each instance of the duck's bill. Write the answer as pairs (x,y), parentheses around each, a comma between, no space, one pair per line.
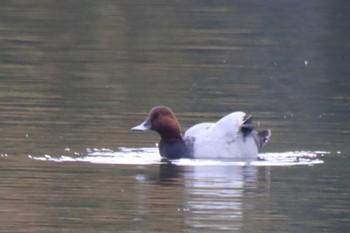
(146,125)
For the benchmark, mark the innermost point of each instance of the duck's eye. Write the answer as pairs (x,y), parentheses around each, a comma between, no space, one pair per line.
(156,116)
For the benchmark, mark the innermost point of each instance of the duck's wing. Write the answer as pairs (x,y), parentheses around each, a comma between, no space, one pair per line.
(198,129)
(247,125)
(230,124)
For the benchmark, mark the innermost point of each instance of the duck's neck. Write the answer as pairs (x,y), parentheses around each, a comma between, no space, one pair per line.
(174,148)
(169,134)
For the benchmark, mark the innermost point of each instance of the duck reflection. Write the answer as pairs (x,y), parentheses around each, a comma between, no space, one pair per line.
(213,195)
(170,173)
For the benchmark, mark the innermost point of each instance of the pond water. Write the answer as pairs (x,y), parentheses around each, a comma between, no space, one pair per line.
(77,75)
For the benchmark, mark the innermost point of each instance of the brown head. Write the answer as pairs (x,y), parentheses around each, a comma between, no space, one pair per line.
(162,120)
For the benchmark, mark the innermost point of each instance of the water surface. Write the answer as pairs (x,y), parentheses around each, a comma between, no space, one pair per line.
(77,75)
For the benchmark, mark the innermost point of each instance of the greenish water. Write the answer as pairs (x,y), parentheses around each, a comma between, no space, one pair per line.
(77,75)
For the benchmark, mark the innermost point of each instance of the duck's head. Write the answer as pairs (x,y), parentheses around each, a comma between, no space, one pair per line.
(162,120)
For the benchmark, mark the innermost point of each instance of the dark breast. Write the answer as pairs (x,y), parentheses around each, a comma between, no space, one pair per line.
(174,149)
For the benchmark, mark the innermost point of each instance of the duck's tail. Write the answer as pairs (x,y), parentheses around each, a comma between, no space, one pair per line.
(263,138)
(247,128)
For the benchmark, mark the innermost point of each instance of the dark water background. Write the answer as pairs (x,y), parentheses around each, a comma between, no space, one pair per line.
(78,74)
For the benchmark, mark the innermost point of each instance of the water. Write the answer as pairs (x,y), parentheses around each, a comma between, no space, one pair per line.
(77,75)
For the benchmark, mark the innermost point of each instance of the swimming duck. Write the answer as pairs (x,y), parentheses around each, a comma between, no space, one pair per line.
(233,136)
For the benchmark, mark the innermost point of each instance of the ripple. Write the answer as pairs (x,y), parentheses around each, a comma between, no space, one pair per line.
(150,155)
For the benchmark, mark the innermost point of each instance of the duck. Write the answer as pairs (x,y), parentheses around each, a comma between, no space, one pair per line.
(232,136)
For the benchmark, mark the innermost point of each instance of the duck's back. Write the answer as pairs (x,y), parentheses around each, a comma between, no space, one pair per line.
(223,139)
(198,129)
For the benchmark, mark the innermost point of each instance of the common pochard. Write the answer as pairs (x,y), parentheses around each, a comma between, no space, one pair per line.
(233,136)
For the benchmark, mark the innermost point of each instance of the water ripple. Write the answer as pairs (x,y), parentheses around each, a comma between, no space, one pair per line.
(150,155)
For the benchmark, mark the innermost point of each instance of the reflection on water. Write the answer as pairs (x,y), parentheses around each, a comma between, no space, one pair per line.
(216,196)
(213,193)
(107,190)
